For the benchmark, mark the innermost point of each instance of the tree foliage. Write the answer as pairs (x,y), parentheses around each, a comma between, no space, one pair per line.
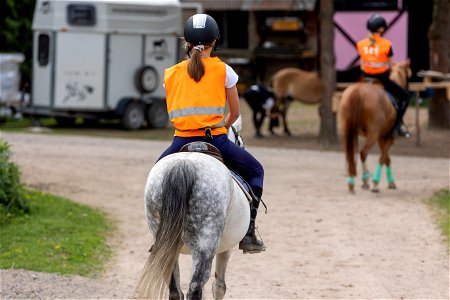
(16,34)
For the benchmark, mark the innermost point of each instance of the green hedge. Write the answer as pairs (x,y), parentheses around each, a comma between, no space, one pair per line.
(12,199)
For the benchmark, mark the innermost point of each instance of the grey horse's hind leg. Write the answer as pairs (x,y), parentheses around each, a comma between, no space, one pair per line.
(219,287)
(174,287)
(201,263)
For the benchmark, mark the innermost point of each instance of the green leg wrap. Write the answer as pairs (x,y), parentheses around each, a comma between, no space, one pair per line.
(390,177)
(365,175)
(351,180)
(377,174)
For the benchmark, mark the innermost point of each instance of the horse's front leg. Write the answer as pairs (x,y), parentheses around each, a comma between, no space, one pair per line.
(370,141)
(258,119)
(284,115)
(365,176)
(175,292)
(385,159)
(390,178)
(376,178)
(219,287)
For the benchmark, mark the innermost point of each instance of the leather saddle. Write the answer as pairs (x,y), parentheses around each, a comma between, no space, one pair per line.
(375,81)
(209,149)
(202,147)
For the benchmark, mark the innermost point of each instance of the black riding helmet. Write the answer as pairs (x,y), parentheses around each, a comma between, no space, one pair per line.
(375,22)
(201,29)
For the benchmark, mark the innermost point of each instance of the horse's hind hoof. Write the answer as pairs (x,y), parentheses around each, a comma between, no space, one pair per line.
(365,186)
(392,186)
(375,190)
(351,188)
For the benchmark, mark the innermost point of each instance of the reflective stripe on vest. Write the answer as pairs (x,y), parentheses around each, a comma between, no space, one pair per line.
(190,111)
(375,65)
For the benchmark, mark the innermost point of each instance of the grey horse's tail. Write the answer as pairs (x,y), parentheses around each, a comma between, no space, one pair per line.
(177,188)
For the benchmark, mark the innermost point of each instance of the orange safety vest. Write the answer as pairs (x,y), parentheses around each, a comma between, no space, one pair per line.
(374,59)
(194,106)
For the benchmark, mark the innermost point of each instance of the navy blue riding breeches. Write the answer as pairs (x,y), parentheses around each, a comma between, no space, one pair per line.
(392,87)
(235,157)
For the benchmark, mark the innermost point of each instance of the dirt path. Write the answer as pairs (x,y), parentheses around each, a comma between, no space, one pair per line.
(322,241)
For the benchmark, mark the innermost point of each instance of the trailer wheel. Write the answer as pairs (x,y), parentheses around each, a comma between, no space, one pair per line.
(133,116)
(157,116)
(146,79)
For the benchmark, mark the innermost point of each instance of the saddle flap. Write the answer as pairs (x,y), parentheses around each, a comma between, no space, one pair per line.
(202,147)
(245,187)
(393,100)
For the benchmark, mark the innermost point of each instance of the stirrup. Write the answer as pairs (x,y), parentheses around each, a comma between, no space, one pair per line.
(402,131)
(250,244)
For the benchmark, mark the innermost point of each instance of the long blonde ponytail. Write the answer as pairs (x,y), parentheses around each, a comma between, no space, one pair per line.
(371,39)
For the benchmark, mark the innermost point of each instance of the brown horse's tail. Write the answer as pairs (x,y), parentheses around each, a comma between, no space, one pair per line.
(350,116)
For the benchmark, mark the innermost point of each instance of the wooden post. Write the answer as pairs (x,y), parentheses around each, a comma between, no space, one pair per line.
(417,102)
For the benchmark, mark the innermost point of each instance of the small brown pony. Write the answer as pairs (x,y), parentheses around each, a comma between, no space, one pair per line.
(294,84)
(365,109)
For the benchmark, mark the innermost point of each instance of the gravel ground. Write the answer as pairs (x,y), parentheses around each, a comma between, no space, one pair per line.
(323,242)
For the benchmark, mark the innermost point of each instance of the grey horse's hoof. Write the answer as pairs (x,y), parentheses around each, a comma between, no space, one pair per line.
(392,186)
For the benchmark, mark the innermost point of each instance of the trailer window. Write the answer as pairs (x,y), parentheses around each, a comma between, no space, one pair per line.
(43,49)
(81,14)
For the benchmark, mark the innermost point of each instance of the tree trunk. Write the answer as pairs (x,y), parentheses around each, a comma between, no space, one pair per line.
(439,36)
(328,134)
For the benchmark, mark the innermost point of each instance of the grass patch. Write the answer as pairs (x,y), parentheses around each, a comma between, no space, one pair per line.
(12,124)
(56,236)
(440,201)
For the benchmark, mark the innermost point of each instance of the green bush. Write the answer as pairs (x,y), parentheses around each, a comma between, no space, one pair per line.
(12,200)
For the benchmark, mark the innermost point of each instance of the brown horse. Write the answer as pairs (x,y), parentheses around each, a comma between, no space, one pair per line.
(365,109)
(294,84)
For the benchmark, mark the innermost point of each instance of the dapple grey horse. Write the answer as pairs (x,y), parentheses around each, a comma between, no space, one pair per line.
(193,206)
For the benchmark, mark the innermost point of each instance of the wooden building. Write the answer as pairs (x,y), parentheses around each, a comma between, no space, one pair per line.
(259,37)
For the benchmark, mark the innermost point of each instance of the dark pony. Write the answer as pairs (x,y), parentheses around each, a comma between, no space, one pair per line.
(366,109)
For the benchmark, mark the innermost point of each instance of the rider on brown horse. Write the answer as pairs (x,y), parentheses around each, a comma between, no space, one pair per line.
(376,62)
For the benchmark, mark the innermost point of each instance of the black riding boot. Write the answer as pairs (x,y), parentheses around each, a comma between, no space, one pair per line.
(399,127)
(250,243)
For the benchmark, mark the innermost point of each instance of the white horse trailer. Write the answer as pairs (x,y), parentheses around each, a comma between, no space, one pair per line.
(104,59)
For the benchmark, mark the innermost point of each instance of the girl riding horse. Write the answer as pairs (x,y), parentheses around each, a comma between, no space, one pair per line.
(197,91)
(366,109)
(376,61)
